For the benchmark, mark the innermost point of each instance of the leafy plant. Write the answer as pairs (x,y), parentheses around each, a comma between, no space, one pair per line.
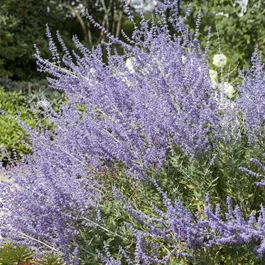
(20,98)
(235,29)
(22,27)
(11,254)
(12,134)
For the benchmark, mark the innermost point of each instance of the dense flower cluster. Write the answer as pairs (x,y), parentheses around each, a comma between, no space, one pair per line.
(135,116)
(251,101)
(135,108)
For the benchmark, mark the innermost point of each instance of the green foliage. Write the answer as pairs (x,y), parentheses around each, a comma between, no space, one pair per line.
(11,133)
(224,255)
(50,259)
(22,26)
(110,227)
(20,99)
(33,91)
(217,173)
(11,254)
(236,32)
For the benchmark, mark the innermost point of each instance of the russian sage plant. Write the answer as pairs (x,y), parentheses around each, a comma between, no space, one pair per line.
(135,114)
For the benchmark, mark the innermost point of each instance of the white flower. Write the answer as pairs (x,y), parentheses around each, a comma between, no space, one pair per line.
(183,59)
(213,75)
(219,60)
(243,4)
(92,71)
(215,85)
(129,64)
(43,104)
(91,74)
(228,89)
(222,14)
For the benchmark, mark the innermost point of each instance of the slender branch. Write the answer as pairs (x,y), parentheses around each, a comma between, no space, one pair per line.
(82,23)
(118,28)
(37,240)
(105,229)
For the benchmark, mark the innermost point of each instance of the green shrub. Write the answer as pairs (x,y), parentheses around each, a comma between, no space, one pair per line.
(11,133)
(18,98)
(33,91)
(11,254)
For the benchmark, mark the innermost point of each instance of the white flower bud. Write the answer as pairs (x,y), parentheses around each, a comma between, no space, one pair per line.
(214,84)
(219,60)
(129,64)
(183,59)
(43,104)
(92,70)
(213,75)
(228,89)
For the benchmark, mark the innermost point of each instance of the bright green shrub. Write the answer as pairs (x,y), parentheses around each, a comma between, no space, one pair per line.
(11,134)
